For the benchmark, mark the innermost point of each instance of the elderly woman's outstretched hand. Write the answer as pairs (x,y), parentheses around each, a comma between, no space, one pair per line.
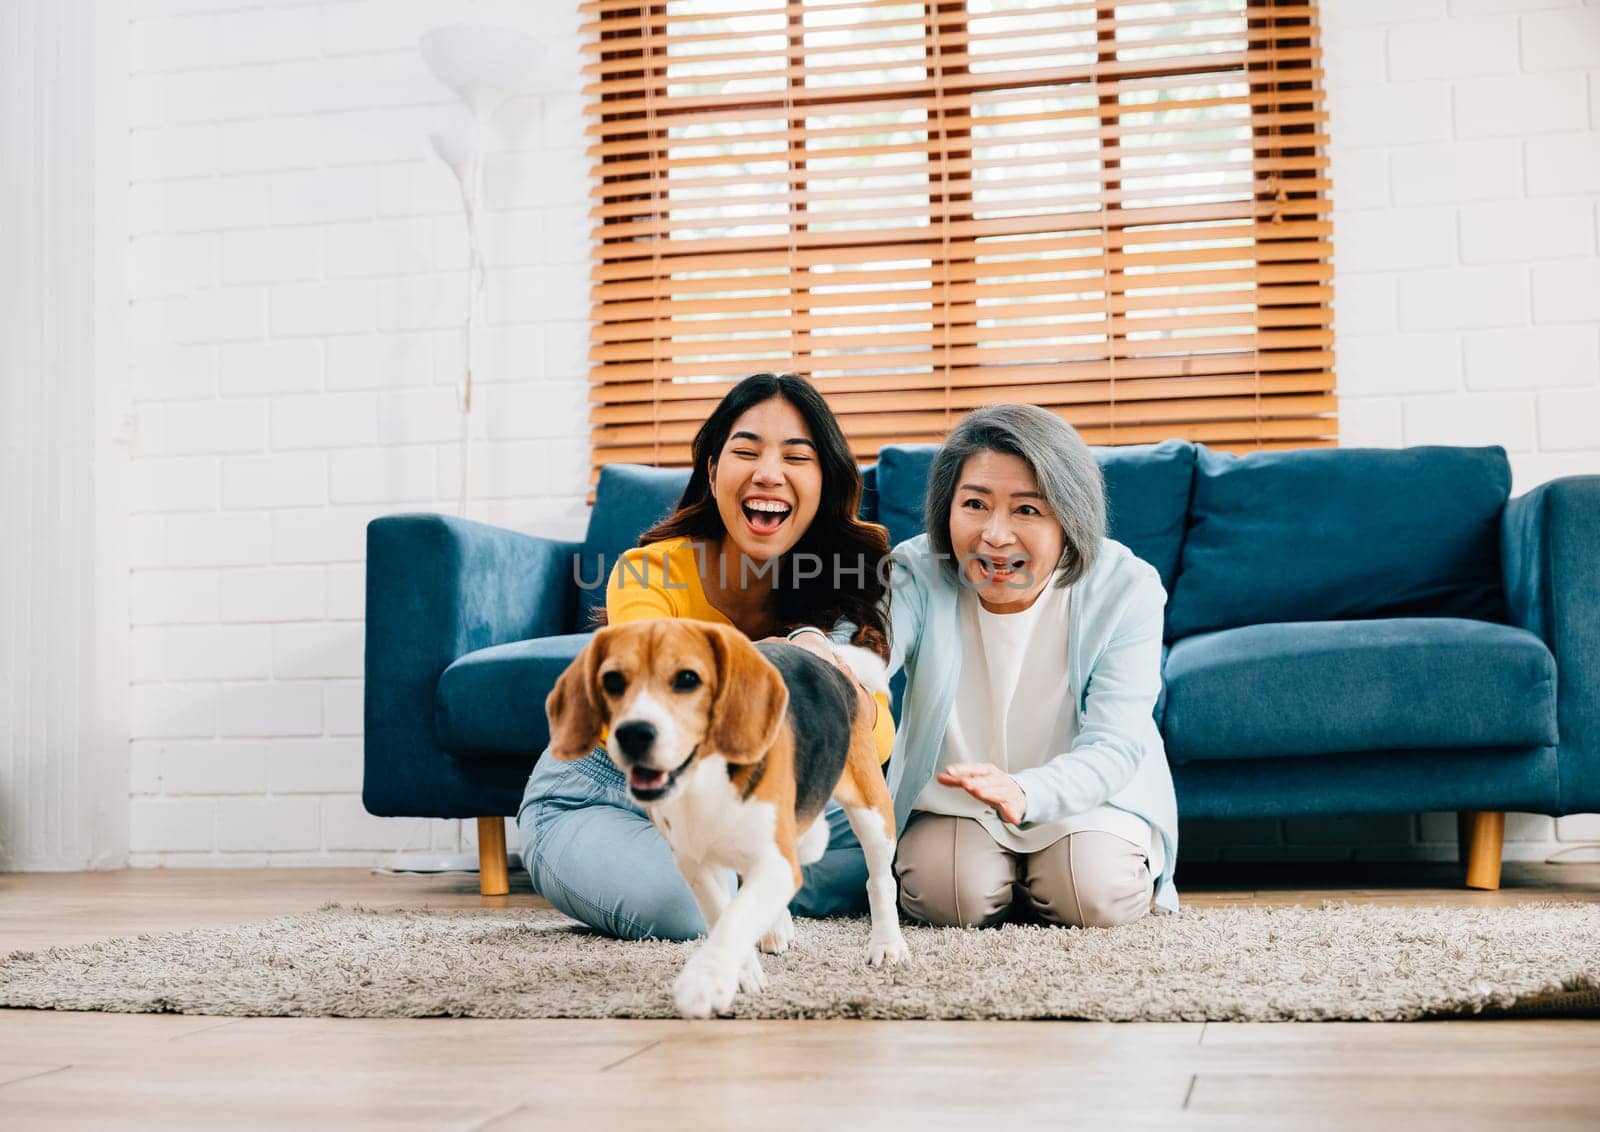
(988,783)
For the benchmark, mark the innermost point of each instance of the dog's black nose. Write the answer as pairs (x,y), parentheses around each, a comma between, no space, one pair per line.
(635,738)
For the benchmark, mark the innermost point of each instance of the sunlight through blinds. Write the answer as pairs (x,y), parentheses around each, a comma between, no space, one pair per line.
(1117,211)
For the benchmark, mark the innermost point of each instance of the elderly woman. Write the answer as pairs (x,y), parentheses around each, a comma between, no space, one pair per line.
(1028,771)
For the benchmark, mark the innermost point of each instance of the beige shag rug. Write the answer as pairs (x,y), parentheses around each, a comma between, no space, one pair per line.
(1340,961)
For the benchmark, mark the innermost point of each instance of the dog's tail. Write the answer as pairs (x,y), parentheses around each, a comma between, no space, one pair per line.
(867,665)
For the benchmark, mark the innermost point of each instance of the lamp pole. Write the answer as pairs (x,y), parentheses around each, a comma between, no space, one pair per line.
(483,64)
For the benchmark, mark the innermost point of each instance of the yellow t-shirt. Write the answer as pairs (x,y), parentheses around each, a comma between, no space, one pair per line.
(663,580)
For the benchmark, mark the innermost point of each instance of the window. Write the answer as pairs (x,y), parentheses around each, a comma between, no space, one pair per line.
(1116,211)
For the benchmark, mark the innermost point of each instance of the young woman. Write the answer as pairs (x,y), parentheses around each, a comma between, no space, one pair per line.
(766,539)
(1028,769)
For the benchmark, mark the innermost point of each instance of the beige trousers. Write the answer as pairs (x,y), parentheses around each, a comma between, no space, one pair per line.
(953,874)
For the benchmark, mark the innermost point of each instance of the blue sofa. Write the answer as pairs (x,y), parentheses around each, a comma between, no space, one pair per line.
(1348,631)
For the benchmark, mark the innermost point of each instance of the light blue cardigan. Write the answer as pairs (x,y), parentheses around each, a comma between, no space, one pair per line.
(1113,660)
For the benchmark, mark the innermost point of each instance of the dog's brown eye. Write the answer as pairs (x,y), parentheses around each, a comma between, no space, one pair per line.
(686,681)
(613,683)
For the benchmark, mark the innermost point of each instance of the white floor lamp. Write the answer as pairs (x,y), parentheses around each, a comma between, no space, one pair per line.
(484,64)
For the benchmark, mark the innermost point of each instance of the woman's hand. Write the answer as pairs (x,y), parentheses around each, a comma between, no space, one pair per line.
(989,784)
(819,645)
(812,643)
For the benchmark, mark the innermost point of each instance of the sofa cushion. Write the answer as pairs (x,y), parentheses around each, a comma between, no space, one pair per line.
(1161,699)
(903,488)
(629,500)
(1325,687)
(1334,534)
(1147,496)
(490,703)
(868,512)
(1147,500)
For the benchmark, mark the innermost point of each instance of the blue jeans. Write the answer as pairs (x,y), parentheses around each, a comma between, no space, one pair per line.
(593,853)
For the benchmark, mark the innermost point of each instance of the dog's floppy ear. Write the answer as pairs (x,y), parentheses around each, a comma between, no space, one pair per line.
(572,707)
(751,698)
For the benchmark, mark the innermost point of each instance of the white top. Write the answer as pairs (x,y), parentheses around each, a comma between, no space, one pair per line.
(1014,707)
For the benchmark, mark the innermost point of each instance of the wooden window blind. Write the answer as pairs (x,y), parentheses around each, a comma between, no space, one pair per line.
(1115,211)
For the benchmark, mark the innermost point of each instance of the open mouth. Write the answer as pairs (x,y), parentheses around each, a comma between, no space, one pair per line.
(650,784)
(1001,569)
(765,516)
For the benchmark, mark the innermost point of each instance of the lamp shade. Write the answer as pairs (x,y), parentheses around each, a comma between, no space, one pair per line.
(455,149)
(483,63)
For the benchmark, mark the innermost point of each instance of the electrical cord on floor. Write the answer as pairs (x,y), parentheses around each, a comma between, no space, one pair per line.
(1593,847)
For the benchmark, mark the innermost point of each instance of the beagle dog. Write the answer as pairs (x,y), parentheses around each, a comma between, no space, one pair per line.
(734,748)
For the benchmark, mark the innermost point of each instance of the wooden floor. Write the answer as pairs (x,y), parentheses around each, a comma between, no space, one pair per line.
(175,1071)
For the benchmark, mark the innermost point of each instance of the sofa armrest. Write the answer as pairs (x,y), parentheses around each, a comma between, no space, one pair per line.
(439,587)
(1550,556)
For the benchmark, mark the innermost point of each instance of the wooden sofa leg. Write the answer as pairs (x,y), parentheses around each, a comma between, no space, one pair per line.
(492,877)
(1482,835)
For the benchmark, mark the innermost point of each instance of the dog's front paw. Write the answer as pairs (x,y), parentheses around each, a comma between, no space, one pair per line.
(706,985)
(778,937)
(887,950)
(752,976)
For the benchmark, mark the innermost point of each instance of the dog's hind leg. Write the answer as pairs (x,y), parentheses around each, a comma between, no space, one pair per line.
(870,809)
(813,843)
(886,945)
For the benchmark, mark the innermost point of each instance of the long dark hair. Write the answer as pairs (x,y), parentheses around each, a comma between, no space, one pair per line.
(847,547)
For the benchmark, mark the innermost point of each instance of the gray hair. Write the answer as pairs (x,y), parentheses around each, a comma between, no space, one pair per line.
(1069,478)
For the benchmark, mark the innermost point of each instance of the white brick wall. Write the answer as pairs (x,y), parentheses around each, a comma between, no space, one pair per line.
(1466,169)
(296,272)
(296,275)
